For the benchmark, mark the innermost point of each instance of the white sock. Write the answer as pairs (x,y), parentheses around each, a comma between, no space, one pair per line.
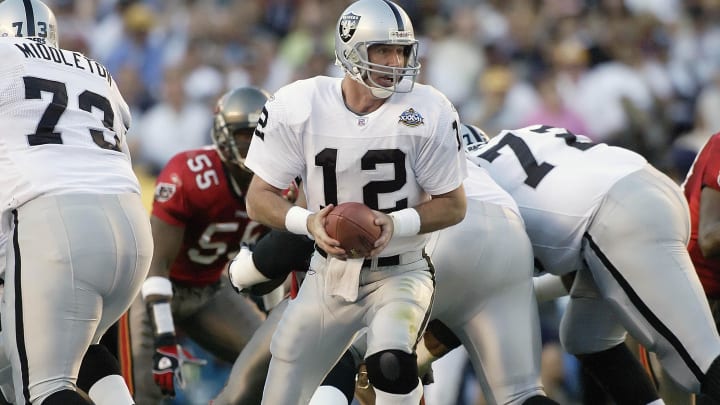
(327,395)
(111,390)
(657,402)
(411,398)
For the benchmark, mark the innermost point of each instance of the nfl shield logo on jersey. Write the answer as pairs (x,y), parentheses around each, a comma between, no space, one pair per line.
(348,25)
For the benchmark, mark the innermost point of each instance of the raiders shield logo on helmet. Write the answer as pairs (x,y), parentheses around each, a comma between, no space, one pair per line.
(348,25)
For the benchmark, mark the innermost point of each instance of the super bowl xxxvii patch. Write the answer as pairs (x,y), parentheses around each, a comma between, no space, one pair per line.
(164,191)
(411,118)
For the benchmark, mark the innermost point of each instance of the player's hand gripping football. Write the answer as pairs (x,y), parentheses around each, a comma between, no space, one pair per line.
(167,367)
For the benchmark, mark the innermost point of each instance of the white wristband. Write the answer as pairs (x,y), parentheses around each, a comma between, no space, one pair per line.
(156,285)
(296,220)
(406,222)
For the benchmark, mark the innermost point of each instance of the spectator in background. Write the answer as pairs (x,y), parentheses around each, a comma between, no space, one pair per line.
(503,100)
(174,124)
(552,109)
(310,34)
(76,19)
(455,42)
(260,65)
(108,28)
(138,101)
(140,46)
(707,120)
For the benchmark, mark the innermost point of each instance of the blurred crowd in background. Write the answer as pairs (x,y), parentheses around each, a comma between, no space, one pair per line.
(643,74)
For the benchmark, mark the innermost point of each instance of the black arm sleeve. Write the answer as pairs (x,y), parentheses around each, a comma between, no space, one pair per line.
(278,253)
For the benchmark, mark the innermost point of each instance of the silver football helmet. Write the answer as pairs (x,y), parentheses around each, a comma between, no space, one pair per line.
(473,138)
(28,18)
(370,22)
(236,116)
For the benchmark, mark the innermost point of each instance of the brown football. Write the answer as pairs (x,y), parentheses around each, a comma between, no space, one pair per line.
(352,224)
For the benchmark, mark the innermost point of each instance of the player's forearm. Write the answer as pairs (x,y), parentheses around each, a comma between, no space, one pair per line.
(709,241)
(268,208)
(442,211)
(709,223)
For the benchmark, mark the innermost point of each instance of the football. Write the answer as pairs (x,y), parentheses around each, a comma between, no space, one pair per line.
(352,224)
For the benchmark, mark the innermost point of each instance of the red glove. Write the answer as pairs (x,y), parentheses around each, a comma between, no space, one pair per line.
(167,367)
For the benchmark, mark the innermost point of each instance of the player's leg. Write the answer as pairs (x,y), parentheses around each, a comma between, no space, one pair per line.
(6,377)
(591,330)
(338,387)
(485,295)
(642,269)
(47,325)
(6,388)
(398,311)
(224,323)
(715,309)
(247,377)
(100,372)
(7,393)
(312,335)
(667,388)
(145,391)
(448,372)
(101,378)
(74,290)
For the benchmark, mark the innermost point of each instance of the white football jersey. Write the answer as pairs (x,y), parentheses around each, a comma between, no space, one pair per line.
(558,180)
(63,125)
(480,186)
(390,159)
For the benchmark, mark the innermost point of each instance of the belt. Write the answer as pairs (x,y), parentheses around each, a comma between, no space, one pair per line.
(381,261)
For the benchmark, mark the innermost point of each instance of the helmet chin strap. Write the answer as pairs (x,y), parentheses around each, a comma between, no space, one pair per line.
(380,92)
(377,92)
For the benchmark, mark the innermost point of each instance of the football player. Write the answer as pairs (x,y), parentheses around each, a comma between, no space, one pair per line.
(79,242)
(199,221)
(623,225)
(702,190)
(377,137)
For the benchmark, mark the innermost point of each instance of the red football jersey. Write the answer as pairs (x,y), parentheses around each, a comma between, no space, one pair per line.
(705,172)
(193,191)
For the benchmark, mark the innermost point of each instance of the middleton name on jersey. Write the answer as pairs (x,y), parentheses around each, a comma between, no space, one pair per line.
(39,50)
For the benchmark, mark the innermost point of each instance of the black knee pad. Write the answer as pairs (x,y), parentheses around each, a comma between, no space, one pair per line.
(67,397)
(342,376)
(539,400)
(393,371)
(97,364)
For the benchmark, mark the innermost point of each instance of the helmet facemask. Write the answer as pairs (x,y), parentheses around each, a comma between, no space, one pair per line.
(235,119)
(229,141)
(362,70)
